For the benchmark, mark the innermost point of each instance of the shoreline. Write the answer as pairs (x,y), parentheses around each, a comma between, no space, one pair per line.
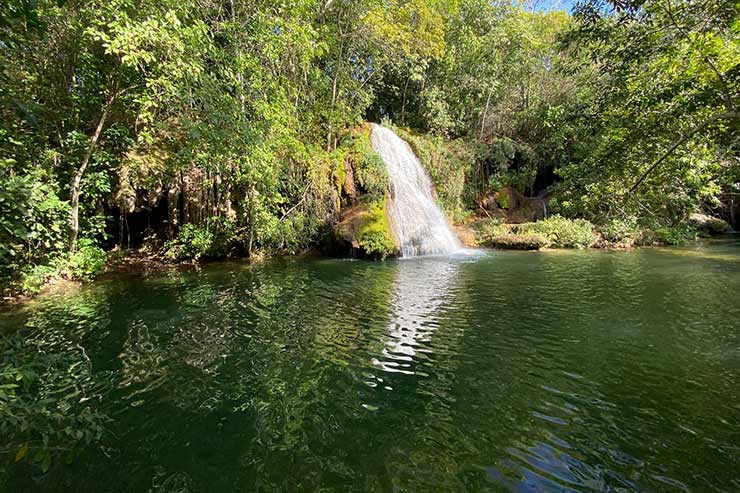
(135,262)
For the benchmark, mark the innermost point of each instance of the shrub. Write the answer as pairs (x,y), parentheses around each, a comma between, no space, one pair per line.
(34,278)
(489,228)
(215,238)
(32,221)
(561,232)
(83,265)
(620,230)
(511,241)
(676,235)
(492,233)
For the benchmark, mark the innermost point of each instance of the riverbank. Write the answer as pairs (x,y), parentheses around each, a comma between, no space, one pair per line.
(559,232)
(475,233)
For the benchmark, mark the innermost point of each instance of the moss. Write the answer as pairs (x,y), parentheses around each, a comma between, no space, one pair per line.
(373,233)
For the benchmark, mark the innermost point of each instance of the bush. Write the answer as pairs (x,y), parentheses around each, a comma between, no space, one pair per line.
(83,265)
(216,238)
(33,221)
(511,241)
(492,233)
(675,235)
(561,232)
(34,278)
(620,231)
(489,228)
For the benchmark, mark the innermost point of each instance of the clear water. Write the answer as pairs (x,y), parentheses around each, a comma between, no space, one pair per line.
(416,220)
(515,371)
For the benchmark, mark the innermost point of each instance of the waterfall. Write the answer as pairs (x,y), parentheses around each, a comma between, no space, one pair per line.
(418,223)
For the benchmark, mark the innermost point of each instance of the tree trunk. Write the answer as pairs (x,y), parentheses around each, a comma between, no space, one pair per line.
(333,104)
(74,228)
(250,239)
(485,112)
(403,105)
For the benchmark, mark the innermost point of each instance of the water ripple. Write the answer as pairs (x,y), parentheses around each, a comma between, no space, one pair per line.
(563,371)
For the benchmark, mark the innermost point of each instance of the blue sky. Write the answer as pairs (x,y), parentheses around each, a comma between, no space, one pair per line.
(544,5)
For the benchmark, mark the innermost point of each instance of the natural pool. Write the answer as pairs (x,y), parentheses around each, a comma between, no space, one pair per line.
(551,371)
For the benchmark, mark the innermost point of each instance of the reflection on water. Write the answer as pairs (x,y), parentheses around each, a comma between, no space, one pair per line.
(420,289)
(530,372)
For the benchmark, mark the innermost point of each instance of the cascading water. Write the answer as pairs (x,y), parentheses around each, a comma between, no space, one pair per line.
(416,220)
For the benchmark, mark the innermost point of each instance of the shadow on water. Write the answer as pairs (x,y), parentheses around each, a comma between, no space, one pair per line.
(560,371)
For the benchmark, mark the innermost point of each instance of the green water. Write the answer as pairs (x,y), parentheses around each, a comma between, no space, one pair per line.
(559,371)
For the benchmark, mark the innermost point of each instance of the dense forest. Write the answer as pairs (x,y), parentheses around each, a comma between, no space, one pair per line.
(215,128)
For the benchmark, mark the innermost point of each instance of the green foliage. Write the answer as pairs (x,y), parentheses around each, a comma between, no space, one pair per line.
(561,232)
(369,169)
(32,221)
(374,233)
(46,400)
(513,241)
(34,278)
(625,231)
(664,128)
(84,264)
(449,163)
(216,238)
(658,234)
(488,228)
(491,233)
(555,232)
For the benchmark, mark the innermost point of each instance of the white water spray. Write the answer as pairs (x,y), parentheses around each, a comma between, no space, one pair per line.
(416,220)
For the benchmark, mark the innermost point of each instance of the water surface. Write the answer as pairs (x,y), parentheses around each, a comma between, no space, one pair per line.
(516,371)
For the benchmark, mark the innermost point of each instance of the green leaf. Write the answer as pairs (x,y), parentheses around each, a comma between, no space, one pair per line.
(22,452)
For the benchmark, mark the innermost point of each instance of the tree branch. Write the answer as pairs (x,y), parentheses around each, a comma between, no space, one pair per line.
(679,142)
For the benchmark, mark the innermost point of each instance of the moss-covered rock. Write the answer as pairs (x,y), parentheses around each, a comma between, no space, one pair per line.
(708,224)
(364,231)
